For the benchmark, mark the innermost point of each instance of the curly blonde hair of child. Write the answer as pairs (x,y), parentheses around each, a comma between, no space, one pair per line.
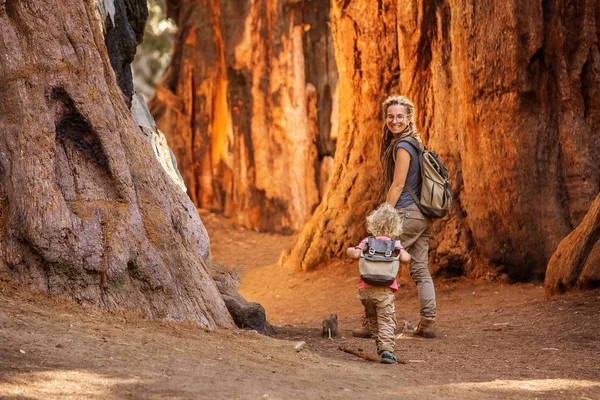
(385,221)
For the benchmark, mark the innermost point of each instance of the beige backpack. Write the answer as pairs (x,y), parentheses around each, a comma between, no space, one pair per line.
(436,192)
(379,262)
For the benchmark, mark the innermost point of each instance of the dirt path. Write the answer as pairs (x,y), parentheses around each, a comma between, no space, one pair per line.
(495,341)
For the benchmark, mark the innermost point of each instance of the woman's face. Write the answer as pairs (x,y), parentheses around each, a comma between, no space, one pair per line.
(397,118)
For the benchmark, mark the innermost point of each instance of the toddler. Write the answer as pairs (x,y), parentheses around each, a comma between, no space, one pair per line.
(384,223)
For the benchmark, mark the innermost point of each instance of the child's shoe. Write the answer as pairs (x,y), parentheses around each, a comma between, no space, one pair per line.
(387,357)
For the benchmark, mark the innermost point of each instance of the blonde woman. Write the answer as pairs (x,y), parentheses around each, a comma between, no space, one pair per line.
(401,169)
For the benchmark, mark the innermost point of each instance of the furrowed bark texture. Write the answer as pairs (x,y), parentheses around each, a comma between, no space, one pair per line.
(506,92)
(247,105)
(86,211)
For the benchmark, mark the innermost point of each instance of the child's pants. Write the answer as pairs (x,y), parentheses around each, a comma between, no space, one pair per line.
(381,314)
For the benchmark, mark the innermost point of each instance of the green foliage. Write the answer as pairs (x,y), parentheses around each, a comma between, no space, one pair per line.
(154,53)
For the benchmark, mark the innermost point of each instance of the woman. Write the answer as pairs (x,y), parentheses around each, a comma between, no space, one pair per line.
(401,169)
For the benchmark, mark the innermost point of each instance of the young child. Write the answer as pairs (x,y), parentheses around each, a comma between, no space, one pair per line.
(383,223)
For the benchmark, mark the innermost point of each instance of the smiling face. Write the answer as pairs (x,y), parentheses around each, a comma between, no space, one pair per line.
(396,118)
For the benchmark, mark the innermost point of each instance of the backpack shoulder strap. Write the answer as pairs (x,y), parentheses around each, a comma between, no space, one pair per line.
(414,143)
(368,243)
(390,245)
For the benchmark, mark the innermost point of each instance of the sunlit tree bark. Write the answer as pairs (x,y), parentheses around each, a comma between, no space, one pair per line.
(247,106)
(507,94)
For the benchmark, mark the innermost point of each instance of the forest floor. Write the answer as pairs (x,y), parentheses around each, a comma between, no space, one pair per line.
(495,341)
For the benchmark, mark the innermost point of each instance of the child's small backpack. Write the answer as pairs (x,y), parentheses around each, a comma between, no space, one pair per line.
(436,192)
(379,262)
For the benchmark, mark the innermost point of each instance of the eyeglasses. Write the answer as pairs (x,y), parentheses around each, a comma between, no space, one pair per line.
(397,117)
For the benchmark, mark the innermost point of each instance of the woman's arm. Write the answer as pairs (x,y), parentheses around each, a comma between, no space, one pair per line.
(400,173)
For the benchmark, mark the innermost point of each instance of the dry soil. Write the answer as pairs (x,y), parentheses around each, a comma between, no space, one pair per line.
(495,341)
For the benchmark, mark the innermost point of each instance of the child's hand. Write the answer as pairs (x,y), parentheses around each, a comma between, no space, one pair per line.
(353,252)
(404,257)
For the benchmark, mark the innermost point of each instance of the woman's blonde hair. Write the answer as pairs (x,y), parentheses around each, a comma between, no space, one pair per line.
(385,221)
(389,141)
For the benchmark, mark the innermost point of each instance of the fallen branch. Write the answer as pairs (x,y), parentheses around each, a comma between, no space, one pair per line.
(364,355)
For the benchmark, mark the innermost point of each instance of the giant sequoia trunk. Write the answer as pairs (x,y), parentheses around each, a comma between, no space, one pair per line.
(507,92)
(247,106)
(85,209)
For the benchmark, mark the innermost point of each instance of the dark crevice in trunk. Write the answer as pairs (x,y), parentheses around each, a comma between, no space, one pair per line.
(586,84)
(74,127)
(122,38)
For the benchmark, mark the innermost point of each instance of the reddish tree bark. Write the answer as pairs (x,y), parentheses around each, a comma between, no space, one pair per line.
(247,106)
(86,211)
(506,93)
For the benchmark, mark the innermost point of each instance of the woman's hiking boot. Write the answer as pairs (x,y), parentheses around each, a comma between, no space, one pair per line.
(387,357)
(426,328)
(363,332)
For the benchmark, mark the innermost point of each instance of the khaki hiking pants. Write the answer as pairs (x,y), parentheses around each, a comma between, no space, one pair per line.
(381,314)
(415,239)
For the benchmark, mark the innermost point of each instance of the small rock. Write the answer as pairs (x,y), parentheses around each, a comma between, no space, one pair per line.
(299,346)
